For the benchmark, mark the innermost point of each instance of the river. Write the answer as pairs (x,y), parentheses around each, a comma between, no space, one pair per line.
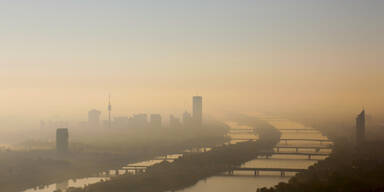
(239,181)
(246,181)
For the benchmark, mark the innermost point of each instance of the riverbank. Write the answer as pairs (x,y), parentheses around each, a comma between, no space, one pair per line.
(246,181)
(348,169)
(189,169)
(20,170)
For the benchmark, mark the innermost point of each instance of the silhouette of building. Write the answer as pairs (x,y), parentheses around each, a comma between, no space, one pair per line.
(360,128)
(155,121)
(187,119)
(94,118)
(62,138)
(197,115)
(121,122)
(174,122)
(139,121)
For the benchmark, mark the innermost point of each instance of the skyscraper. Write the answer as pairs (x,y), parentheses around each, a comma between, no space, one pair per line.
(360,128)
(62,138)
(120,122)
(139,121)
(94,118)
(197,111)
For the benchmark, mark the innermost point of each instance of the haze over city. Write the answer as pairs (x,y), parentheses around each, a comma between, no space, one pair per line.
(141,78)
(63,58)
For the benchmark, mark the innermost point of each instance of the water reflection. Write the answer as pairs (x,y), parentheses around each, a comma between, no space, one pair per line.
(235,183)
(246,181)
(63,186)
(241,180)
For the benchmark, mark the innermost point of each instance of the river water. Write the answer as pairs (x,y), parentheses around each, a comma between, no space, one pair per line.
(239,181)
(247,182)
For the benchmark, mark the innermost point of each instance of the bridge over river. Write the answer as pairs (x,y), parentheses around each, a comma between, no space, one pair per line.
(258,170)
(298,147)
(280,160)
(321,141)
(288,130)
(269,154)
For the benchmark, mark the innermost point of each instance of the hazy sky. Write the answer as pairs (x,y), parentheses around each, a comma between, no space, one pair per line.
(61,58)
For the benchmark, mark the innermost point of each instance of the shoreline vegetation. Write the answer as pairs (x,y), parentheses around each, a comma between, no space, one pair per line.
(188,170)
(347,169)
(20,170)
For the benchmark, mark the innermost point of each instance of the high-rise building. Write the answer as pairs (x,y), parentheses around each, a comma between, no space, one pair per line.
(138,121)
(94,118)
(360,128)
(155,121)
(62,138)
(197,114)
(121,122)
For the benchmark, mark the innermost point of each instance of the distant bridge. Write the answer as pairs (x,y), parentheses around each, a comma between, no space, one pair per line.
(135,166)
(138,169)
(299,129)
(286,140)
(269,154)
(167,158)
(317,140)
(242,139)
(257,170)
(287,129)
(316,148)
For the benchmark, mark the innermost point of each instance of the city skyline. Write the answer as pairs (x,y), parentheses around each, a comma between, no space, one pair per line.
(155,120)
(191,95)
(316,55)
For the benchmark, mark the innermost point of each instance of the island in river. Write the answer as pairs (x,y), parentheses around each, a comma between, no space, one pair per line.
(20,170)
(189,169)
